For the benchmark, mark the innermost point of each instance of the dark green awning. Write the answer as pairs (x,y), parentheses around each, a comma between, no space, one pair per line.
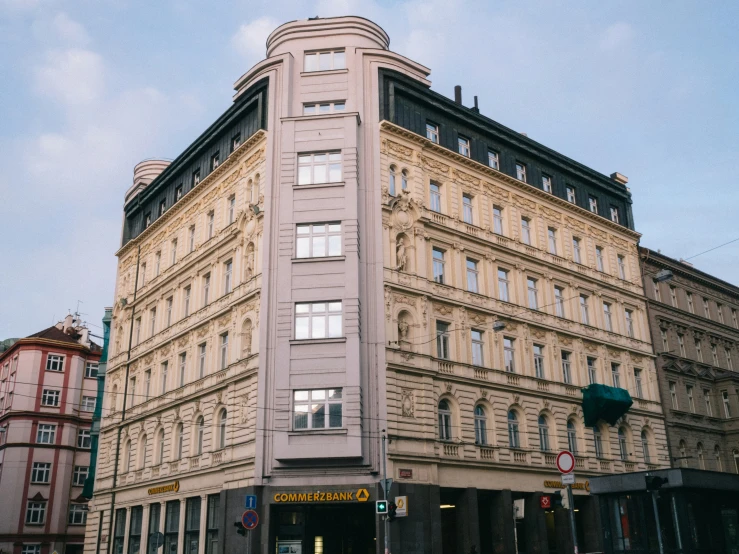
(606,403)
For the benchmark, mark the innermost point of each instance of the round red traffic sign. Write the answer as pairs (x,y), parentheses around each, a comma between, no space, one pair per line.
(250,519)
(565,462)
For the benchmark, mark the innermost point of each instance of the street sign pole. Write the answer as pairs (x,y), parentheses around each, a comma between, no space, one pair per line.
(573,530)
(385,496)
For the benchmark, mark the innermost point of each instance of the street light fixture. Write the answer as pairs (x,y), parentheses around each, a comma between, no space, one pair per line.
(498,326)
(664,275)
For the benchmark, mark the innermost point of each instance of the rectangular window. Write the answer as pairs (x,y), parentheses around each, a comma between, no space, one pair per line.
(467,208)
(592,371)
(521,171)
(497,220)
(183,367)
(192,525)
(714,355)
(188,290)
(593,204)
(171,526)
(134,532)
(621,267)
(673,395)
(559,301)
(132,393)
(212,524)
(31,549)
(231,208)
(657,295)
(317,409)
(324,108)
(566,368)
(552,236)
(477,347)
(493,159)
(87,404)
(681,344)
(614,214)
(698,351)
(235,141)
(727,407)
(318,240)
(442,340)
(509,354)
(164,376)
(629,316)
(607,320)
(35,512)
(539,361)
(706,308)
(323,61)
(91,370)
(318,320)
(584,315)
(191,238)
(173,250)
(689,393)
(196,178)
(503,285)
(599,259)
(168,305)
(526,230)
(84,439)
(720,312)
(707,401)
(206,288)
(152,322)
(472,276)
(638,383)
(729,363)
(438,265)
(46,433)
(210,223)
(162,207)
(224,350)
(157,263)
(432,132)
(734,319)
(673,296)
(546,183)
(202,350)
(533,293)
(80,475)
(689,298)
(227,273)
(616,377)
(215,161)
(78,514)
(318,168)
(435,197)
(50,398)
(147,220)
(463,145)
(178,193)
(41,472)
(665,341)
(54,363)
(576,250)
(571,195)
(119,531)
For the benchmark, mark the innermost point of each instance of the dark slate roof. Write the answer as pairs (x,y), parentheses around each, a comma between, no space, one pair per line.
(53,333)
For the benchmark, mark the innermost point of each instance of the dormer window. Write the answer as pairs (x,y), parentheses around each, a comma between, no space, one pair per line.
(178,193)
(432,132)
(195,178)
(593,204)
(147,220)
(493,159)
(215,161)
(521,171)
(162,207)
(571,194)
(325,61)
(614,214)
(464,146)
(235,141)
(546,183)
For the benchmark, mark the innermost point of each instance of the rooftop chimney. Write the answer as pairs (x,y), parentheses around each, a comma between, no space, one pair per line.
(68,323)
(476,109)
(623,179)
(458,94)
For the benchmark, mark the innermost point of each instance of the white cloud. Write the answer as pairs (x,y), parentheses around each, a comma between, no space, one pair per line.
(68,30)
(251,38)
(616,36)
(74,76)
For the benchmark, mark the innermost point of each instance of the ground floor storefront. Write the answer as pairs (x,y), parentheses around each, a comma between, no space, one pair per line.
(41,544)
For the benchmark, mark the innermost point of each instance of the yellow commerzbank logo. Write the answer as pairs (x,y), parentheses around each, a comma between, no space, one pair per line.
(360,495)
(172,487)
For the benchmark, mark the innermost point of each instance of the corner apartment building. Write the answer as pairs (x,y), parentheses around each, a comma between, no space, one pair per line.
(47,398)
(324,266)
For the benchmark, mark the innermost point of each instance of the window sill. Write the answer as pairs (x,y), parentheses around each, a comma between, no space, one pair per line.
(319,259)
(324,72)
(318,341)
(329,431)
(319,185)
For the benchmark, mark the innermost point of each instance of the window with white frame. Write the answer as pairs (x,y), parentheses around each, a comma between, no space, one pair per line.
(503,282)
(91,370)
(168,307)
(623,452)
(467,208)
(77,514)
(40,472)
(698,350)
(493,159)
(210,223)
(614,214)
(598,442)
(224,350)
(559,301)
(54,363)
(599,259)
(178,193)
(665,342)
(592,370)
(729,363)
(480,425)
(186,307)
(147,220)
(673,296)
(432,132)
(235,141)
(435,197)
(196,177)
(319,167)
(615,374)
(227,274)
(46,433)
(478,347)
(706,308)
(533,293)
(35,512)
(163,376)
(725,401)
(87,404)
(392,176)
(445,420)
(566,367)
(546,183)
(629,317)
(318,320)
(157,263)
(84,439)
(31,549)
(539,361)
(206,289)
(231,208)
(621,267)
(472,276)
(544,434)
(552,237)
(734,319)
(571,195)
(191,238)
(720,313)
(318,240)
(593,204)
(576,255)
(607,317)
(514,440)
(463,144)
(442,340)
(183,367)
(572,437)
(202,351)
(80,475)
(714,355)
(584,313)
(152,321)
(437,255)
(673,395)
(325,61)
(526,230)
(707,401)
(521,171)
(638,388)
(317,409)
(50,398)
(681,345)
(324,108)
(498,220)
(509,354)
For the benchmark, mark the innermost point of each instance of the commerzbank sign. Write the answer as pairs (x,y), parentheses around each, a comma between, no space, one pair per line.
(320,497)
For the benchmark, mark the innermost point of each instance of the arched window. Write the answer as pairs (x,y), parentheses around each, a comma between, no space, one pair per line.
(180,440)
(684,454)
(717,455)
(160,446)
(481,431)
(544,434)
(701,458)
(598,442)
(404,180)
(391,181)
(622,444)
(222,428)
(736,460)
(572,436)
(199,428)
(514,440)
(445,421)
(142,451)
(127,456)
(645,447)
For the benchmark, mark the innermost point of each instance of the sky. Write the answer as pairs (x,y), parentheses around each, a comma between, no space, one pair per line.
(89,88)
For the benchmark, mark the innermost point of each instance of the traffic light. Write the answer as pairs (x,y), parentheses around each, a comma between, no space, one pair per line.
(381,507)
(240,528)
(654,482)
(391,508)
(557,499)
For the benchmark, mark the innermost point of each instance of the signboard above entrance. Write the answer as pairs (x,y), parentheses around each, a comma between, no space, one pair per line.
(355,495)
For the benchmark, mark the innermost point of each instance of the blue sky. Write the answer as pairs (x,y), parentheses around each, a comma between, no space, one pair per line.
(91,87)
